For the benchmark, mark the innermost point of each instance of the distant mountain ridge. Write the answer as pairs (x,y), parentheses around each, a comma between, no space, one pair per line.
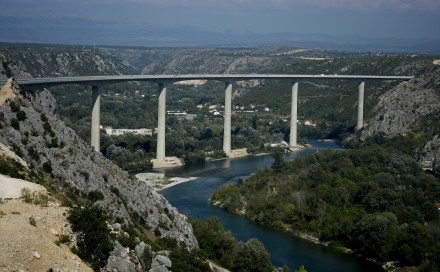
(73,30)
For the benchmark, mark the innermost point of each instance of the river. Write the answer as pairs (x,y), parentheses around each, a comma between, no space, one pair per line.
(192,199)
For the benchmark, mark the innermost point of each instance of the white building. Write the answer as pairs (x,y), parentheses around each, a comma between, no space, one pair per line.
(121,131)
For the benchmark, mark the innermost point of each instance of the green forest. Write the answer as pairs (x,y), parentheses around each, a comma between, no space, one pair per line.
(373,199)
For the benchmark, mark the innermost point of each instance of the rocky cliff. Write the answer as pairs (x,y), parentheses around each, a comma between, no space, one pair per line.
(412,106)
(401,109)
(188,61)
(51,63)
(32,129)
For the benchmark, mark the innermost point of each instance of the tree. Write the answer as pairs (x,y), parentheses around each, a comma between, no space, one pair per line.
(93,240)
(376,235)
(213,238)
(251,256)
(279,163)
(414,244)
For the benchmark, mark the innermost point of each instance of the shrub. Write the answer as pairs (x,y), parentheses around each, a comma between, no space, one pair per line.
(63,239)
(15,124)
(11,168)
(47,128)
(43,117)
(37,198)
(147,258)
(93,240)
(95,195)
(14,107)
(47,166)
(21,115)
(26,195)
(33,153)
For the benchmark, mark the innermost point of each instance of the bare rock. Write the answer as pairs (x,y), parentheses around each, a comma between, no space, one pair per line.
(54,232)
(36,255)
(160,264)
(119,260)
(401,109)
(7,91)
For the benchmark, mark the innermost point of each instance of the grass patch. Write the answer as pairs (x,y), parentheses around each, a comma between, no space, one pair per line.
(37,198)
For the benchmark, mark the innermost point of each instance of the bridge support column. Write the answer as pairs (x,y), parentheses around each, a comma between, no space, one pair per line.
(293,115)
(94,133)
(160,153)
(227,125)
(34,92)
(360,117)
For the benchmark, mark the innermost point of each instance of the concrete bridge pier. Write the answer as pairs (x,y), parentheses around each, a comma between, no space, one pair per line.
(293,115)
(160,153)
(94,137)
(227,118)
(360,117)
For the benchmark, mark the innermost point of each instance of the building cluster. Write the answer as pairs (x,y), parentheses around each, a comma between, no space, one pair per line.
(121,131)
(182,115)
(217,110)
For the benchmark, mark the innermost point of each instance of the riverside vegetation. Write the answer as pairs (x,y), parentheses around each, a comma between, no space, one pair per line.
(376,202)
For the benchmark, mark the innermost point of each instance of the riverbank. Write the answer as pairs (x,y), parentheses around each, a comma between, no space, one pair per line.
(160,182)
(389,266)
(284,248)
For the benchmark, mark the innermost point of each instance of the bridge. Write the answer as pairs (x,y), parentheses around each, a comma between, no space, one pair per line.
(35,84)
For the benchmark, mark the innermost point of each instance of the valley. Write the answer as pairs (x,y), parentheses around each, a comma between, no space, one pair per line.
(341,198)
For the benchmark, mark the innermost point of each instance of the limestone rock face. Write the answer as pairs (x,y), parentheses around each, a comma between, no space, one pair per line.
(119,260)
(402,108)
(29,63)
(411,106)
(44,142)
(160,263)
(429,155)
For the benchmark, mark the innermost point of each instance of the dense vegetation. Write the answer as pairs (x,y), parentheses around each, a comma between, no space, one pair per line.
(221,247)
(374,200)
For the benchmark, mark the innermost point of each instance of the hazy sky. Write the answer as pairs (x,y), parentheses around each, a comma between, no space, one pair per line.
(369,18)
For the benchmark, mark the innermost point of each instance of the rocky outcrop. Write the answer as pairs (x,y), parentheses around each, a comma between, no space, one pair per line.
(6,92)
(408,107)
(401,109)
(160,263)
(119,260)
(29,63)
(429,155)
(38,136)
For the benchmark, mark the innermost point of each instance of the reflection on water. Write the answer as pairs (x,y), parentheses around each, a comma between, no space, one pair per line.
(192,199)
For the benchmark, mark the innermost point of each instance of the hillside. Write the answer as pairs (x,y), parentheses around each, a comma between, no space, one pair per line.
(412,108)
(61,161)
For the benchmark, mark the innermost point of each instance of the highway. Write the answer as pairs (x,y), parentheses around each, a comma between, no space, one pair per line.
(102,80)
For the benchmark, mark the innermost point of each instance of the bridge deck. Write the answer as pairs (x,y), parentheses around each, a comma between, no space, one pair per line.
(101,80)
